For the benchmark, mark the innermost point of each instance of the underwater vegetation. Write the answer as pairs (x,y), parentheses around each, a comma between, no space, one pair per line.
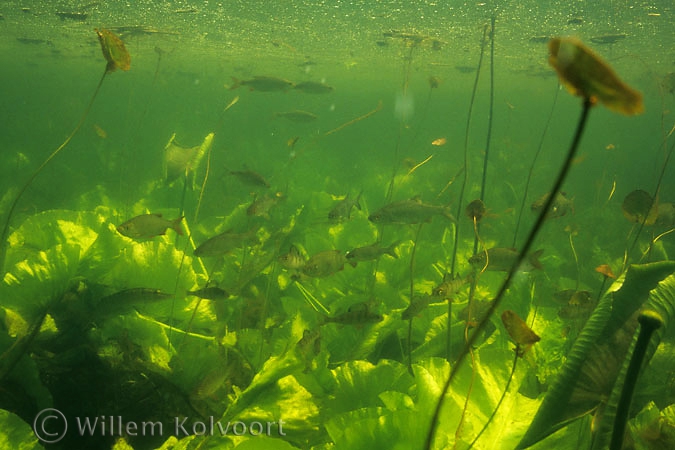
(259,302)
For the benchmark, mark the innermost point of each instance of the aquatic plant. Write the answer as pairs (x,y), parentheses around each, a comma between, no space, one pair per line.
(588,77)
(117,57)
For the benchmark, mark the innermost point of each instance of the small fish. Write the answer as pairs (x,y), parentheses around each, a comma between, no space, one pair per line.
(325,263)
(357,314)
(416,306)
(128,297)
(262,204)
(371,252)
(572,296)
(100,132)
(560,206)
(313,87)
(134,294)
(225,242)
(343,210)
(440,141)
(210,293)
(450,286)
(297,115)
(521,334)
(309,345)
(147,226)
(576,304)
(608,39)
(410,211)
(293,260)
(501,260)
(263,84)
(81,16)
(250,178)
(292,141)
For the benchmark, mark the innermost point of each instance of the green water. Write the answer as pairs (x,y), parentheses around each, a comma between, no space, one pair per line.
(243,359)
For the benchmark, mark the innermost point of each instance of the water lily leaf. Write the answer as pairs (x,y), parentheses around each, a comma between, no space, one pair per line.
(593,365)
(264,443)
(113,50)
(15,433)
(586,75)
(662,302)
(359,384)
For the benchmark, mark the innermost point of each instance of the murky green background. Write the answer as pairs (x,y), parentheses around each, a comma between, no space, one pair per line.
(184,56)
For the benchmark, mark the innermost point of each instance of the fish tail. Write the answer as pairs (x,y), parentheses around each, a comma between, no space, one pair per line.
(448,214)
(534,259)
(357,203)
(175,224)
(352,263)
(236,83)
(391,250)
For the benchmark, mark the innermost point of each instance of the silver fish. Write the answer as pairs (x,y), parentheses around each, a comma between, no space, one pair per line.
(371,252)
(325,263)
(409,211)
(225,242)
(293,260)
(263,84)
(343,210)
(501,260)
(147,226)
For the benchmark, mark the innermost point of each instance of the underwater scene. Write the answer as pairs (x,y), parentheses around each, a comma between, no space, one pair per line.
(337,225)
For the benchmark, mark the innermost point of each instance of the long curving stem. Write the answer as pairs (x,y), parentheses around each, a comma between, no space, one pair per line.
(5,228)
(514,268)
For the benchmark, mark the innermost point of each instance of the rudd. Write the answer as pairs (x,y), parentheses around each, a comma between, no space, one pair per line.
(325,263)
(147,226)
(409,211)
(501,260)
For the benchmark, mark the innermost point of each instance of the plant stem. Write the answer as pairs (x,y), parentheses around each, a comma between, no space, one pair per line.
(5,229)
(649,322)
(512,271)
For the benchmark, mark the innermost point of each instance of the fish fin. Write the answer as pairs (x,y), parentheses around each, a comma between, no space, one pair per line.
(391,250)
(449,215)
(236,83)
(351,263)
(357,202)
(534,259)
(175,224)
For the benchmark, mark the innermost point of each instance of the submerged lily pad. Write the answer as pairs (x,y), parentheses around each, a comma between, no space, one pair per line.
(638,207)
